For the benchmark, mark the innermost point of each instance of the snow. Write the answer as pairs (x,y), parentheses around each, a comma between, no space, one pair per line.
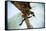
(14,16)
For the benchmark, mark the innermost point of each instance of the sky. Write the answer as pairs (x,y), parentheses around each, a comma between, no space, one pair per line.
(14,16)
